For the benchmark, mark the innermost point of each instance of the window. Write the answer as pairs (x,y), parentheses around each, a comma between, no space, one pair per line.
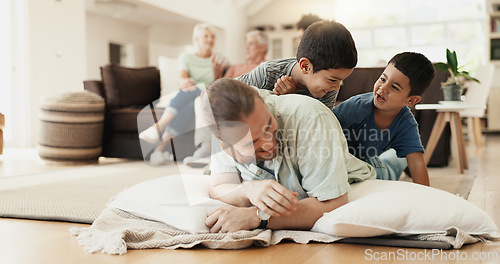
(276,51)
(385,27)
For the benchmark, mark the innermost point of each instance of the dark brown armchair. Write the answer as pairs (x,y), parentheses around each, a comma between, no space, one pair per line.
(127,91)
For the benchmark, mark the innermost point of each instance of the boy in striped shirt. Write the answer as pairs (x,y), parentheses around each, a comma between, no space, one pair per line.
(326,56)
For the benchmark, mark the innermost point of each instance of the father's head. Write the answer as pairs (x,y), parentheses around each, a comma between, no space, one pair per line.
(242,121)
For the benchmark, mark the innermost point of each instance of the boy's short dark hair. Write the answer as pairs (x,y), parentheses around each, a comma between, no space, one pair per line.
(328,45)
(417,68)
(307,20)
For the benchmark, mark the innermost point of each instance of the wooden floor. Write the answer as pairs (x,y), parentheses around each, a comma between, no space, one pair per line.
(24,241)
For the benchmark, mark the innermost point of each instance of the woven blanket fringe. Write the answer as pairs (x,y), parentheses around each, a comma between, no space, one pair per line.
(94,242)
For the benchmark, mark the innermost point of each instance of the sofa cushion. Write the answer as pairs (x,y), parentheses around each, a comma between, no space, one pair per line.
(360,81)
(130,86)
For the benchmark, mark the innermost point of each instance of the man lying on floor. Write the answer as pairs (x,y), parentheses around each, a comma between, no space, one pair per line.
(283,160)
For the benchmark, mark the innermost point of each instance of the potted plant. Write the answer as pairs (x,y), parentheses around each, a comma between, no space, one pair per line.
(452,88)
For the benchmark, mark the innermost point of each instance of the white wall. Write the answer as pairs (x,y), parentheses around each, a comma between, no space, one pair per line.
(55,53)
(213,12)
(226,15)
(102,30)
(236,26)
(289,12)
(168,40)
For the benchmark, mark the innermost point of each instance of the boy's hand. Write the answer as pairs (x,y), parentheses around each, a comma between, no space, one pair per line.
(284,85)
(271,197)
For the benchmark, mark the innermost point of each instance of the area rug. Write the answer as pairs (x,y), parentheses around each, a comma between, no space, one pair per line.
(75,194)
(80,194)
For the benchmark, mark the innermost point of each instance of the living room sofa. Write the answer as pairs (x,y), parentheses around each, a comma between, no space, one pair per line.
(362,81)
(127,91)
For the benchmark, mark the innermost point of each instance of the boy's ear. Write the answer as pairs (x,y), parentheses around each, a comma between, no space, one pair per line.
(305,65)
(413,100)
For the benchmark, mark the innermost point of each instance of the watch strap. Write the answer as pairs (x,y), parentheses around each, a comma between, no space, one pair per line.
(263,224)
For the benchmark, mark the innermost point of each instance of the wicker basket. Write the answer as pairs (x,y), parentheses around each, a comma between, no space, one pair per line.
(71,127)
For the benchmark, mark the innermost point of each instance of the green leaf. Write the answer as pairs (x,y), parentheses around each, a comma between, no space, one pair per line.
(441,66)
(467,76)
(451,58)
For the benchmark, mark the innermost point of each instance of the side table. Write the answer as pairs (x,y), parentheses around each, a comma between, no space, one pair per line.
(449,113)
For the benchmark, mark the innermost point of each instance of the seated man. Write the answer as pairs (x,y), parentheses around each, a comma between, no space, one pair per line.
(289,151)
(256,47)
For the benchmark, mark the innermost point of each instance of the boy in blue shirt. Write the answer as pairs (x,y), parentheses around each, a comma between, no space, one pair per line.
(379,126)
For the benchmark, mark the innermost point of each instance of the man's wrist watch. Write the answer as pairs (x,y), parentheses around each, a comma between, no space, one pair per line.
(264,219)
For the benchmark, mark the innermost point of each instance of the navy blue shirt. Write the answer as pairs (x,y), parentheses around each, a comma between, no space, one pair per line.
(366,140)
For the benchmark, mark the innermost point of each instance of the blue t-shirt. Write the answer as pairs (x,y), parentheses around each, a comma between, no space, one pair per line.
(366,140)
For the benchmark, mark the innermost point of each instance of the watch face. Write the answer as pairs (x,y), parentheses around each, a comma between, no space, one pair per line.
(262,215)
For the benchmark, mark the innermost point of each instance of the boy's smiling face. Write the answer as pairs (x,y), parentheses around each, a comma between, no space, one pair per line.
(391,91)
(321,82)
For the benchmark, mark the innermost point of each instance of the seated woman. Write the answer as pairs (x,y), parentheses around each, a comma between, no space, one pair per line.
(196,70)
(256,49)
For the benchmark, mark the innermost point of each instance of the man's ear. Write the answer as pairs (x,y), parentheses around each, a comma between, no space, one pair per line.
(264,48)
(305,65)
(413,100)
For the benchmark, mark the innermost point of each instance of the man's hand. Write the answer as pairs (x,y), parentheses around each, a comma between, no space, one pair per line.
(284,85)
(270,197)
(231,219)
(218,66)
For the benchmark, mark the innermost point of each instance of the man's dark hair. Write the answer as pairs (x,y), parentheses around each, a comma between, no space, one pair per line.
(417,68)
(229,100)
(307,20)
(328,45)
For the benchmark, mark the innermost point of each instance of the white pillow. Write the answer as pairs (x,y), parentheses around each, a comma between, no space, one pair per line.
(393,207)
(181,201)
(375,208)
(169,75)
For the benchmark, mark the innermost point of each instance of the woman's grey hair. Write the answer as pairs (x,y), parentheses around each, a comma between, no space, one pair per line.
(261,36)
(198,31)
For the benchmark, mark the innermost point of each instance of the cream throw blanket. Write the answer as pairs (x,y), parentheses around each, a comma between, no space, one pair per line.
(114,231)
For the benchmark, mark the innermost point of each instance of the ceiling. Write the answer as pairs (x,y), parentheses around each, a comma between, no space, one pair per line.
(143,14)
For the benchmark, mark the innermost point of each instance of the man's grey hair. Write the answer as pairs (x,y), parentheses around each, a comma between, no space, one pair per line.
(198,31)
(226,102)
(261,36)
